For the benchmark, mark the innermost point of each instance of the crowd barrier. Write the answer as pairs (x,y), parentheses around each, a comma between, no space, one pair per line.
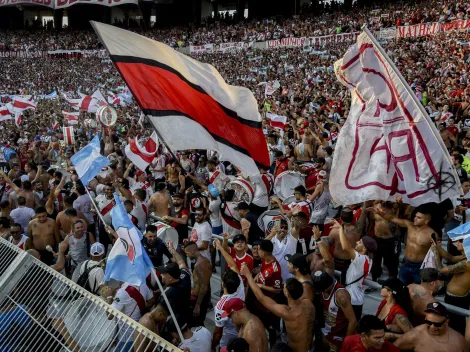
(42,310)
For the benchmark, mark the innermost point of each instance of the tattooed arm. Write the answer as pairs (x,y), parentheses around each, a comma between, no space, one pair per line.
(204,283)
(344,300)
(402,323)
(361,222)
(460,267)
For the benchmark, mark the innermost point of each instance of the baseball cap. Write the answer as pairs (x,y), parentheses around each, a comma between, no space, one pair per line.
(97,249)
(24,178)
(160,186)
(297,260)
(242,206)
(266,246)
(213,190)
(233,305)
(321,280)
(171,269)
(238,238)
(139,173)
(436,308)
(370,244)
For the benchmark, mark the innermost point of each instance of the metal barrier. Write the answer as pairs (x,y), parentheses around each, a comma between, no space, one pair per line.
(42,310)
(369,283)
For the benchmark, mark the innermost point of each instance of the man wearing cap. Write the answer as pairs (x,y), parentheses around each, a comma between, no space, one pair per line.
(179,217)
(361,263)
(423,294)
(249,326)
(159,201)
(239,252)
(96,272)
(298,266)
(434,335)
(254,233)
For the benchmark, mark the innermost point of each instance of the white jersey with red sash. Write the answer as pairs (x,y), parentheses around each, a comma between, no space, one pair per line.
(230,219)
(21,244)
(218,179)
(306,205)
(106,205)
(142,185)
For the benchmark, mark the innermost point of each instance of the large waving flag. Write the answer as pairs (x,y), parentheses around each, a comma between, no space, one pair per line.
(460,232)
(142,156)
(5,114)
(188,102)
(52,95)
(389,145)
(88,162)
(276,120)
(127,261)
(71,117)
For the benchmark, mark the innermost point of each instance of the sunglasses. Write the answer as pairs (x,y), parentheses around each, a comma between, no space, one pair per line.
(437,325)
(284,227)
(197,214)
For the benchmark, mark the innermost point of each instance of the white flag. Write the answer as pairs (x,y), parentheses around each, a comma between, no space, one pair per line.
(388,147)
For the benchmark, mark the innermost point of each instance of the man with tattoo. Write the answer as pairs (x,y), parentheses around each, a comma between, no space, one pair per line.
(434,335)
(458,288)
(418,242)
(321,259)
(201,292)
(298,314)
(42,232)
(340,320)
(421,295)
(248,325)
(353,231)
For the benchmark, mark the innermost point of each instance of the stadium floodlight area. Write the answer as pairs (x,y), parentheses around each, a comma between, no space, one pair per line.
(42,310)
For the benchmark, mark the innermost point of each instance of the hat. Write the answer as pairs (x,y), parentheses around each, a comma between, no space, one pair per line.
(97,249)
(238,238)
(297,260)
(24,178)
(436,308)
(139,173)
(213,190)
(394,285)
(242,206)
(321,280)
(160,186)
(171,269)
(266,246)
(370,244)
(233,305)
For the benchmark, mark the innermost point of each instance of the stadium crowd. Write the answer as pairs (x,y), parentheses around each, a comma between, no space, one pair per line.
(285,271)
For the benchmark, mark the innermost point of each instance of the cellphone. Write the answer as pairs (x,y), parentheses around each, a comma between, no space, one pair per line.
(278,222)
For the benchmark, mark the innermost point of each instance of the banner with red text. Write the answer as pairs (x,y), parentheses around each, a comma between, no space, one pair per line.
(48,3)
(311,41)
(60,4)
(424,29)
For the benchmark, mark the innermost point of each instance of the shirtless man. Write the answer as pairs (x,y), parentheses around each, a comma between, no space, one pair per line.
(304,151)
(458,288)
(66,217)
(353,233)
(201,292)
(418,242)
(247,324)
(298,314)
(433,336)
(423,294)
(26,192)
(174,179)
(159,201)
(298,266)
(42,232)
(386,243)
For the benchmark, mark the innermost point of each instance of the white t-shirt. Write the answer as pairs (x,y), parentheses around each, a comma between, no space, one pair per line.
(140,212)
(95,276)
(281,248)
(261,196)
(214,208)
(360,266)
(159,163)
(200,341)
(22,215)
(229,332)
(127,305)
(134,185)
(202,232)
(83,204)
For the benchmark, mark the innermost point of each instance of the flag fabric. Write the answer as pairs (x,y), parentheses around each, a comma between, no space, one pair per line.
(389,146)
(52,95)
(90,104)
(8,153)
(115,99)
(276,120)
(271,87)
(20,104)
(188,102)
(99,96)
(18,118)
(88,162)
(55,126)
(462,231)
(127,261)
(71,117)
(140,156)
(75,103)
(466,246)
(69,137)
(5,114)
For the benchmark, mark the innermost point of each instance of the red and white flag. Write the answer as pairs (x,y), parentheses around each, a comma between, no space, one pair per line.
(69,137)
(142,156)
(114,99)
(55,126)
(188,102)
(5,114)
(276,121)
(20,104)
(90,103)
(389,146)
(71,117)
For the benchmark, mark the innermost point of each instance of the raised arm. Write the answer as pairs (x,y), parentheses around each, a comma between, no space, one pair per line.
(228,258)
(178,258)
(14,187)
(390,217)
(344,241)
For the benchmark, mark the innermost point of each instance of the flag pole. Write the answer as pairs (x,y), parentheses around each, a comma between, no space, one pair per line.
(413,97)
(94,204)
(160,287)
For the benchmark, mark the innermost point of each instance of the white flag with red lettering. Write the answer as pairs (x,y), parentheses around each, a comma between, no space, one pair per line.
(71,117)
(388,147)
(140,156)
(69,137)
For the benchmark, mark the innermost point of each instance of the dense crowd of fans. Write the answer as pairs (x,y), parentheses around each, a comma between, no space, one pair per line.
(288,271)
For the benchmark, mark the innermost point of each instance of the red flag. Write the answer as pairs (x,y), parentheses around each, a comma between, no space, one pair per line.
(142,157)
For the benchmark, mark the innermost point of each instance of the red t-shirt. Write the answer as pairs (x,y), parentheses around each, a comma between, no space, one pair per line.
(281,166)
(270,274)
(454,130)
(312,178)
(353,344)
(248,259)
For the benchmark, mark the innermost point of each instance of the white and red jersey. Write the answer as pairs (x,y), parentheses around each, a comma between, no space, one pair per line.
(336,324)
(446,116)
(21,244)
(306,205)
(218,179)
(134,185)
(263,183)
(246,258)
(140,212)
(105,206)
(159,163)
(270,274)
(359,268)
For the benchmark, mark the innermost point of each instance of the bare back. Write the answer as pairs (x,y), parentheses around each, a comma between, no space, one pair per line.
(254,333)
(420,298)
(159,204)
(352,237)
(300,328)
(202,271)
(29,197)
(459,285)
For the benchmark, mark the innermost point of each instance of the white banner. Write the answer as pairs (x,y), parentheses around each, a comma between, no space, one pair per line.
(225,47)
(48,3)
(60,4)
(388,147)
(387,33)
(34,54)
(311,41)
(201,49)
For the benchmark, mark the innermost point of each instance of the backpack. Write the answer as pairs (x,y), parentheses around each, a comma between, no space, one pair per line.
(83,279)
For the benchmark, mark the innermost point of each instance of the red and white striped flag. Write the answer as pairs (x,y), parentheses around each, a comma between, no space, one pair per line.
(71,117)
(5,114)
(55,126)
(20,104)
(142,156)
(69,137)
(188,102)
(276,120)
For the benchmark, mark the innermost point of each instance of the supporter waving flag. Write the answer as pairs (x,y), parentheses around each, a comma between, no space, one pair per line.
(127,261)
(142,157)
(188,102)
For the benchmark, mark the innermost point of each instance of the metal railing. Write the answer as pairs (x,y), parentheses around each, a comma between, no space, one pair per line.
(368,282)
(42,310)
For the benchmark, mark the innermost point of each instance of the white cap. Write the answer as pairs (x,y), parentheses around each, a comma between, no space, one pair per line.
(24,178)
(97,249)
